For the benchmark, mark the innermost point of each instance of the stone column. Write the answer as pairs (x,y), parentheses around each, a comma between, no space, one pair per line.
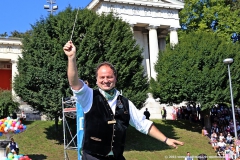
(146,55)
(139,36)
(173,36)
(14,72)
(14,68)
(153,49)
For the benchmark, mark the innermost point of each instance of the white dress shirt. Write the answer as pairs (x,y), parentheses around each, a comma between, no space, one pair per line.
(84,97)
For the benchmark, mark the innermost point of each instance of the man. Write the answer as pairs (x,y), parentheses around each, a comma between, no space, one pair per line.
(164,113)
(188,157)
(13,147)
(146,113)
(107,113)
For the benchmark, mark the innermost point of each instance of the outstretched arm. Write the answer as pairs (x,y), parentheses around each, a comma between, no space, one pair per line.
(155,133)
(70,51)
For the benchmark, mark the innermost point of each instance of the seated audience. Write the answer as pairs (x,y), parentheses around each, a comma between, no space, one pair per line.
(204,132)
(229,139)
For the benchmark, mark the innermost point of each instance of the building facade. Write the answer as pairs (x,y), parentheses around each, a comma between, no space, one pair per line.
(151,21)
(10,51)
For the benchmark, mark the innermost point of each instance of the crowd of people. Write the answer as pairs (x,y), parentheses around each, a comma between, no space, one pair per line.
(189,112)
(222,134)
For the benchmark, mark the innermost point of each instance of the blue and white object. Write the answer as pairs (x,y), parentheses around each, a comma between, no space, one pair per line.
(80,126)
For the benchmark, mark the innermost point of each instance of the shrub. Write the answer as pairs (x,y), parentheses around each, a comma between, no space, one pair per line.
(8,103)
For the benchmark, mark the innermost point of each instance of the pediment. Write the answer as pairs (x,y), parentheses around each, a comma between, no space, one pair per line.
(175,4)
(180,2)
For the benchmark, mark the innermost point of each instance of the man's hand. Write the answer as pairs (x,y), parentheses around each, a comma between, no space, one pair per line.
(173,143)
(157,134)
(70,49)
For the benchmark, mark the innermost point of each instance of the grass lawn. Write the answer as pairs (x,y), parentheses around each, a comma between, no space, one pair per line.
(143,147)
(40,142)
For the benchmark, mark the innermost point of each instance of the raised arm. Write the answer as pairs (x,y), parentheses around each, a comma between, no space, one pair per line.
(70,51)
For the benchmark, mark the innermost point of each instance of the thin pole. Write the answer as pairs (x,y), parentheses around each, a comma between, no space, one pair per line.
(51,2)
(64,132)
(74,24)
(233,111)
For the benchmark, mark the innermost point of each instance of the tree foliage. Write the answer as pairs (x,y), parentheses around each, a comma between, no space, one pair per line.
(110,39)
(8,103)
(220,17)
(42,79)
(194,71)
(234,4)
(3,35)
(15,34)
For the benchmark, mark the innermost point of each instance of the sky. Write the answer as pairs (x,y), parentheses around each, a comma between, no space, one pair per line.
(19,15)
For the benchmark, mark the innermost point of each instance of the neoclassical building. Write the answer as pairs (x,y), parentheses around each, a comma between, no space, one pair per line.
(151,22)
(10,50)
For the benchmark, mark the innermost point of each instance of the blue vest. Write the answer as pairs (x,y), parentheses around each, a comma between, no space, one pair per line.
(103,131)
(12,145)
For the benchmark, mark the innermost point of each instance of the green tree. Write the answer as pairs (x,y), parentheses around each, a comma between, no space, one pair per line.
(8,103)
(16,34)
(4,34)
(110,39)
(194,71)
(42,79)
(217,16)
(234,4)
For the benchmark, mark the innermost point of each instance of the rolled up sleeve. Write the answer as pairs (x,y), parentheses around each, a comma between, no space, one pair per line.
(84,97)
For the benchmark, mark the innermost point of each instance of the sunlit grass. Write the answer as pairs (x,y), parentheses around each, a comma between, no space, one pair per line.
(142,147)
(40,141)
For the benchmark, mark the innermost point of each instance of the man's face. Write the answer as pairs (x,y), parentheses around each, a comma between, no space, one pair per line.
(106,79)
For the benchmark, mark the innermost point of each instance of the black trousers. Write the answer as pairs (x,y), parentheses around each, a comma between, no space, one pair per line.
(89,156)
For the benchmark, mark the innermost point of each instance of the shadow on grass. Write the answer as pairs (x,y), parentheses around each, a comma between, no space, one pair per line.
(27,122)
(37,156)
(185,124)
(141,142)
(58,135)
(134,140)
